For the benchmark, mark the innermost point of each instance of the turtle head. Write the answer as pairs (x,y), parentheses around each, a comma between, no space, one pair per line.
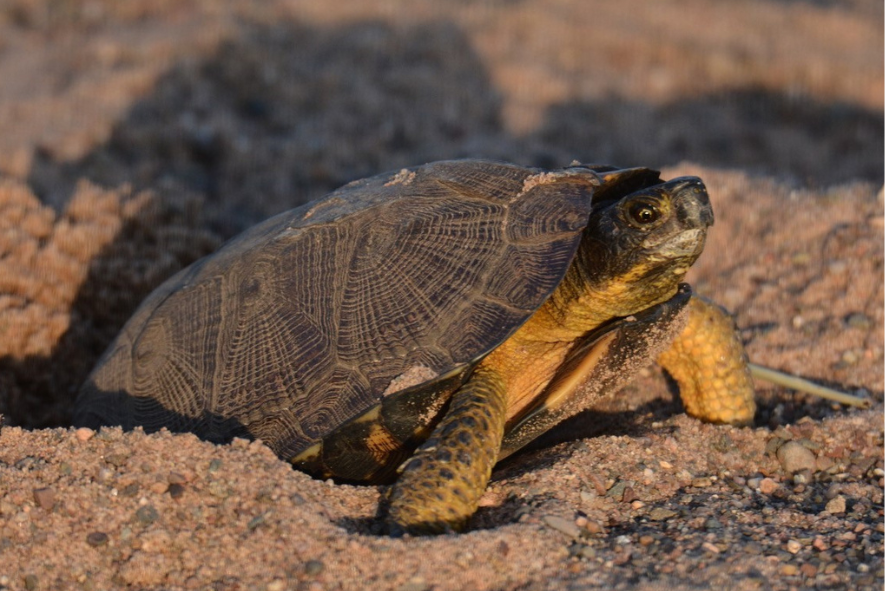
(637,248)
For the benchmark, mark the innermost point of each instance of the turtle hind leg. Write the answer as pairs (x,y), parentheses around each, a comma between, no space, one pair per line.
(710,365)
(440,486)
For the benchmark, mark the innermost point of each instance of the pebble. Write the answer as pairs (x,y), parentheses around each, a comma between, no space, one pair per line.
(795,457)
(849,357)
(836,505)
(768,486)
(808,570)
(858,320)
(562,525)
(159,487)
(661,514)
(276,585)
(147,515)
(176,490)
(793,546)
(84,434)
(176,478)
(617,491)
(701,482)
(789,570)
(45,498)
(710,548)
(31,582)
(314,568)
(255,522)
(97,538)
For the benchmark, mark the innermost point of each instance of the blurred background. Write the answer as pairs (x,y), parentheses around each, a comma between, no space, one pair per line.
(136,136)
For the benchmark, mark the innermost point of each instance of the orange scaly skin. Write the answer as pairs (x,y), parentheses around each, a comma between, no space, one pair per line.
(709,363)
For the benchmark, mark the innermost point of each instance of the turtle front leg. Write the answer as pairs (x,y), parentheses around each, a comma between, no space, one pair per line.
(440,486)
(710,365)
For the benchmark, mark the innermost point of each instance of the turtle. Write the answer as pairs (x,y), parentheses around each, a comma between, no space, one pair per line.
(416,327)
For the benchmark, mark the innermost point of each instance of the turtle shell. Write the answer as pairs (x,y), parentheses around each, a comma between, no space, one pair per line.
(380,297)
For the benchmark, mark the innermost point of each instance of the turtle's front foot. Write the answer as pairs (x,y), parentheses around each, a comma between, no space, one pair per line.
(710,365)
(440,486)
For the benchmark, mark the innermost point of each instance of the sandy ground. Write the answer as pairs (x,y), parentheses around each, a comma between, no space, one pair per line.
(136,137)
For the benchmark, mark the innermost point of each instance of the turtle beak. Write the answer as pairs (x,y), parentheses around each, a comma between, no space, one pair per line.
(691,203)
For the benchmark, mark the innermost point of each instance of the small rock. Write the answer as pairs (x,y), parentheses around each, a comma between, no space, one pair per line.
(768,486)
(276,585)
(588,552)
(710,548)
(661,514)
(629,495)
(588,496)
(858,320)
(849,357)
(795,457)
(84,434)
(819,544)
(176,478)
(97,538)
(117,460)
(617,491)
(147,515)
(562,525)
(314,568)
(491,498)
(808,570)
(822,463)
(789,570)
(31,582)
(159,487)
(836,505)
(176,490)
(701,482)
(646,540)
(45,498)
(793,546)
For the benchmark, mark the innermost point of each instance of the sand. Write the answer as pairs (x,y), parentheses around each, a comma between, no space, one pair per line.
(137,136)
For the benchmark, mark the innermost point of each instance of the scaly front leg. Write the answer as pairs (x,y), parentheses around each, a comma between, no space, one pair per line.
(710,365)
(440,486)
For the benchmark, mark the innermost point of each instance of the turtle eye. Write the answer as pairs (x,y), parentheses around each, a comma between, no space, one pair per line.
(643,213)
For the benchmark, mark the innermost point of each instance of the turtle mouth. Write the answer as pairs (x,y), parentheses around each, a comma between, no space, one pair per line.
(688,243)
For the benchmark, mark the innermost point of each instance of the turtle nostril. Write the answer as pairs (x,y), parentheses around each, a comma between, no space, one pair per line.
(691,201)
